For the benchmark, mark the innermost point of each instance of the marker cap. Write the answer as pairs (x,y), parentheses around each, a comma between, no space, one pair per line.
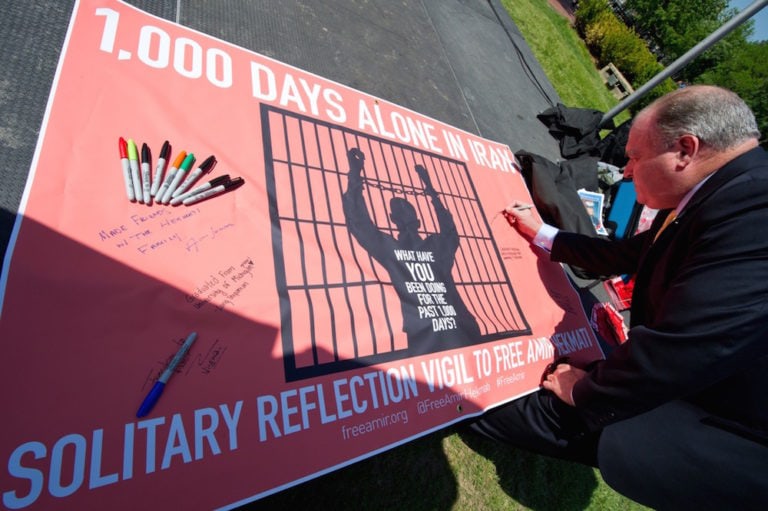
(188,161)
(133,153)
(179,159)
(151,399)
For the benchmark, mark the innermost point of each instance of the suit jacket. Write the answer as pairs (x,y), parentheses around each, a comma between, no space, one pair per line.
(699,317)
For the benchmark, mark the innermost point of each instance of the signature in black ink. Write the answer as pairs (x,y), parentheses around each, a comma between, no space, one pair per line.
(212,357)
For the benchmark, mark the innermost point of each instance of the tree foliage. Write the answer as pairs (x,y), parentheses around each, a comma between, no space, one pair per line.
(672,28)
(745,73)
(675,26)
(610,40)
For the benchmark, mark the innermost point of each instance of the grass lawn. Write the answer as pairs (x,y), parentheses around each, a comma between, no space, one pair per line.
(453,469)
(563,56)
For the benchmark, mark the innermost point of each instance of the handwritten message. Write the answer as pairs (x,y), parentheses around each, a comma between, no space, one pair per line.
(221,289)
(152,232)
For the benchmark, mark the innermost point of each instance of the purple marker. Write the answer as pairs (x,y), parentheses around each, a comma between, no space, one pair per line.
(206,186)
(229,185)
(203,168)
(145,172)
(165,152)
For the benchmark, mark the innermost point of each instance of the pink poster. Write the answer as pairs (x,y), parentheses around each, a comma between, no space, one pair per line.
(340,260)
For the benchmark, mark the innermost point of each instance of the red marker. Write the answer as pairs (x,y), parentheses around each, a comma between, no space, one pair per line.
(123,145)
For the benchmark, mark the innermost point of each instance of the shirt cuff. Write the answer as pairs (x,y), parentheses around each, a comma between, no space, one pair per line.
(545,237)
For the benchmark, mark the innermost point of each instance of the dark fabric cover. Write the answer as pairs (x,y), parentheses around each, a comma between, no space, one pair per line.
(611,147)
(554,189)
(577,129)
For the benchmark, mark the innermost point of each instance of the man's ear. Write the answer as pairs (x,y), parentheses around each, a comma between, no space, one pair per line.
(687,149)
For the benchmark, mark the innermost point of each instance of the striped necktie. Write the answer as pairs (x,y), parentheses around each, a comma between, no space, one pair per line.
(670,218)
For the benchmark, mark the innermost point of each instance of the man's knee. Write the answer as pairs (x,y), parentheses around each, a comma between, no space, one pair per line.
(541,423)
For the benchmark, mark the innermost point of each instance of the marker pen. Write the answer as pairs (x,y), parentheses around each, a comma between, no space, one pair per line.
(157,389)
(207,186)
(229,185)
(161,161)
(145,172)
(126,169)
(133,159)
(171,173)
(182,170)
(194,175)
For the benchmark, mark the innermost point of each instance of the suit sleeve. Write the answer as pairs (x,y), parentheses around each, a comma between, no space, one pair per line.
(710,319)
(598,255)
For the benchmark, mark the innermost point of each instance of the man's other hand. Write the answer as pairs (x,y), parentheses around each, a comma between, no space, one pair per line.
(562,380)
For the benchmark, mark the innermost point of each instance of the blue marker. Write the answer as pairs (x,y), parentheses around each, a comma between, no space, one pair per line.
(159,386)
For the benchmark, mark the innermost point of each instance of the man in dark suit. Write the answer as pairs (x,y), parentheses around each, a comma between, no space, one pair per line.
(678,415)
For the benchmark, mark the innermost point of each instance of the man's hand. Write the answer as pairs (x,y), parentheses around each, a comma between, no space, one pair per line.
(562,380)
(356,161)
(520,216)
(422,172)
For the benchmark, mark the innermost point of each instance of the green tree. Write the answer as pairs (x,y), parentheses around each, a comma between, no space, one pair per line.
(610,40)
(745,73)
(675,26)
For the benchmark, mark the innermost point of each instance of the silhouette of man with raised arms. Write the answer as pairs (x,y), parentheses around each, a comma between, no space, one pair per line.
(434,315)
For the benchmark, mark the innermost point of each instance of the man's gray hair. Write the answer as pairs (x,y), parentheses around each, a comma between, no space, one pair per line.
(717,116)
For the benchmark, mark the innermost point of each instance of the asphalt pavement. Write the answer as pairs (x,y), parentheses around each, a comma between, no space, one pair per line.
(462,62)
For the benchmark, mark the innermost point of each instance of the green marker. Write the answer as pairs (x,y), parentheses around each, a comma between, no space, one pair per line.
(183,168)
(133,160)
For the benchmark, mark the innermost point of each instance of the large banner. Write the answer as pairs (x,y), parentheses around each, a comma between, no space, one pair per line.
(340,259)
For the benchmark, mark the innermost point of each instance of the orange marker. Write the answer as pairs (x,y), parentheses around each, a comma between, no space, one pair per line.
(171,173)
